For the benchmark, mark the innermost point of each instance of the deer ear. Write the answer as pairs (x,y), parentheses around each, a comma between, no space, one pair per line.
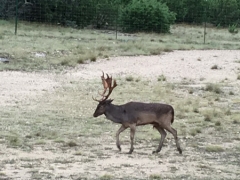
(109,101)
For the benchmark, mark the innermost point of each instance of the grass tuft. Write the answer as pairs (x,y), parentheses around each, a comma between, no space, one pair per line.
(215,67)
(14,141)
(231,93)
(207,117)
(71,144)
(65,63)
(129,78)
(235,121)
(213,88)
(106,177)
(196,110)
(93,58)
(195,131)
(217,123)
(162,78)
(214,148)
(238,77)
(155,177)
(228,112)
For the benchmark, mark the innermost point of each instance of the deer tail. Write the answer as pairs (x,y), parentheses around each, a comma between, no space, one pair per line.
(172,116)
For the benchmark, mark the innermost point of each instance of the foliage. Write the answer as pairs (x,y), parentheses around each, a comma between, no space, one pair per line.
(224,12)
(179,8)
(78,13)
(146,16)
(190,11)
(135,15)
(217,12)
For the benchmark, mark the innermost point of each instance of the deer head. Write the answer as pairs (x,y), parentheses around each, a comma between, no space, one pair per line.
(108,84)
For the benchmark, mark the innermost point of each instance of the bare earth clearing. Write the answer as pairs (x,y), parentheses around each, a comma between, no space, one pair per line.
(96,156)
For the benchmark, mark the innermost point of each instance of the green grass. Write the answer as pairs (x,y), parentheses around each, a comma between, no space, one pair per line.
(69,47)
(214,148)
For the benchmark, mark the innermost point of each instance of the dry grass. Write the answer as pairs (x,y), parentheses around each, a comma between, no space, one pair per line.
(44,47)
(62,121)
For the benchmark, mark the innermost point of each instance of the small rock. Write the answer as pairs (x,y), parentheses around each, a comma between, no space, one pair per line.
(40,54)
(4,60)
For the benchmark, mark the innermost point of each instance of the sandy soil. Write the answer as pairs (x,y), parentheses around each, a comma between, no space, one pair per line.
(193,65)
(177,65)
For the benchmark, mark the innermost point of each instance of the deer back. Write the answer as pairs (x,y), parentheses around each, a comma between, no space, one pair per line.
(133,112)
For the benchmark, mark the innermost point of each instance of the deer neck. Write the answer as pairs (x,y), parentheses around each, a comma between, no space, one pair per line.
(114,113)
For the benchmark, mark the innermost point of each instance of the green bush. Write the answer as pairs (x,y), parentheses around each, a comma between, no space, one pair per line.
(179,7)
(224,12)
(190,11)
(146,16)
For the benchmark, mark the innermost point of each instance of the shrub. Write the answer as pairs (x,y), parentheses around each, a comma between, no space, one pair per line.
(146,16)
(224,12)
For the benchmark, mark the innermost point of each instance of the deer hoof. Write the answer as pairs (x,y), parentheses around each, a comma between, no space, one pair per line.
(118,146)
(180,151)
(155,152)
(130,152)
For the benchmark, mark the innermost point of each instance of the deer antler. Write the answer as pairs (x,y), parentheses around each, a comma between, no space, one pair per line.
(107,84)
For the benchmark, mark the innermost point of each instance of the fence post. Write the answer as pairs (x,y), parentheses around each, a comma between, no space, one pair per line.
(117,22)
(205,25)
(16,17)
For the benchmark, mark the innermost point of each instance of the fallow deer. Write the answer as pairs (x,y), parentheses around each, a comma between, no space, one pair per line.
(133,114)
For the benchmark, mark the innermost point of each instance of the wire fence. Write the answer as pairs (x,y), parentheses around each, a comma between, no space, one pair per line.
(125,15)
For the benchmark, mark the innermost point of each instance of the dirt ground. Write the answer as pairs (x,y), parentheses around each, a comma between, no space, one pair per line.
(52,162)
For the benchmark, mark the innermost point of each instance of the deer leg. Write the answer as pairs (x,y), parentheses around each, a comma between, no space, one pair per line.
(174,133)
(122,128)
(132,133)
(163,135)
